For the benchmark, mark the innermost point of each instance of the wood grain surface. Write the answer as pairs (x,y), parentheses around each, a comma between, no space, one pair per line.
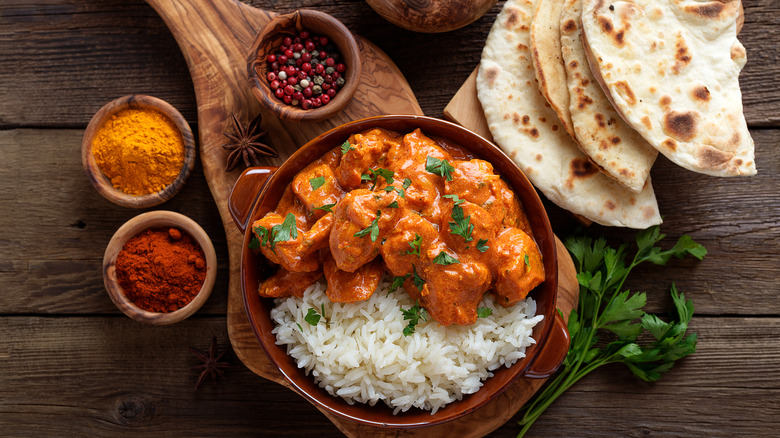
(73,365)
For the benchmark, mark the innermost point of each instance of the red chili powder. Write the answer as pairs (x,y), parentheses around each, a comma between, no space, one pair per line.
(161,270)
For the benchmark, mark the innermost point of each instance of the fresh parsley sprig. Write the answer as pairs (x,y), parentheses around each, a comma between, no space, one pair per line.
(283,232)
(413,315)
(439,167)
(605,310)
(372,230)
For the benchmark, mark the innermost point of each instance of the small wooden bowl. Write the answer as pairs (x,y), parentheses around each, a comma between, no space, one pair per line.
(431,16)
(103,185)
(270,38)
(157,219)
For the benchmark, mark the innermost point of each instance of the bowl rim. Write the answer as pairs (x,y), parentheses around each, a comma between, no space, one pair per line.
(103,185)
(420,418)
(256,64)
(131,228)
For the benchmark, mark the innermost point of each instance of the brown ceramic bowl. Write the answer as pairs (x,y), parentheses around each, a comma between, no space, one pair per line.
(103,185)
(157,219)
(542,358)
(270,39)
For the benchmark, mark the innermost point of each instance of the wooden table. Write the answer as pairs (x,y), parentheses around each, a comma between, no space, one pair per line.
(71,364)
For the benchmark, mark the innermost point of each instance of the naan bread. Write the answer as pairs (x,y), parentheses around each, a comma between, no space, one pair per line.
(671,68)
(600,131)
(546,56)
(529,132)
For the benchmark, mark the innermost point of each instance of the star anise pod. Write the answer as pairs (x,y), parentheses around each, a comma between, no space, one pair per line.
(211,365)
(245,144)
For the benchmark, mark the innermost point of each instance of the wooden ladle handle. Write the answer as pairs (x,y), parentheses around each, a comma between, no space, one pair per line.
(246,193)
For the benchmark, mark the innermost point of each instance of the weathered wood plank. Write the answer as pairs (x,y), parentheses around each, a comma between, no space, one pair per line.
(102,376)
(82,54)
(55,227)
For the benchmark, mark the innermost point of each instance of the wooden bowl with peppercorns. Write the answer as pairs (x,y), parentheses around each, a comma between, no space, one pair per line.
(159,267)
(304,65)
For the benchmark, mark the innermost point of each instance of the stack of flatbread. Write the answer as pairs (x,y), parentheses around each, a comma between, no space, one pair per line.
(583,94)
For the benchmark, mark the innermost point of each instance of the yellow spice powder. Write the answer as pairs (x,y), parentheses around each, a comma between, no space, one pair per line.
(140,150)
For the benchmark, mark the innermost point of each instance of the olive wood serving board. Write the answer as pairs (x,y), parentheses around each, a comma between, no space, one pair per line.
(215,37)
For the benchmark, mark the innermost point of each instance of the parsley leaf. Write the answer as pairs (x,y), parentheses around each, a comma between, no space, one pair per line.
(287,230)
(439,167)
(397,282)
(484,312)
(461,226)
(609,322)
(482,245)
(346,147)
(526,260)
(445,259)
(326,207)
(317,182)
(415,244)
(393,204)
(373,175)
(455,199)
(413,315)
(312,317)
(418,281)
(372,230)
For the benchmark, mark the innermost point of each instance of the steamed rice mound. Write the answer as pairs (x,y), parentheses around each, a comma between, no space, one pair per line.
(358,351)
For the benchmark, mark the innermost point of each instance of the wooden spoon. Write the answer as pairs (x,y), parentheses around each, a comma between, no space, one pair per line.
(431,16)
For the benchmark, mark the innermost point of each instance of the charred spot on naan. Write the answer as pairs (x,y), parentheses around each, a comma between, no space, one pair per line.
(712,158)
(669,144)
(682,57)
(700,93)
(580,168)
(681,125)
(665,101)
(491,74)
(714,10)
(624,90)
(569,26)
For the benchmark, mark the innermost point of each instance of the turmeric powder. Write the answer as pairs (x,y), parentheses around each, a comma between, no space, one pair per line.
(140,150)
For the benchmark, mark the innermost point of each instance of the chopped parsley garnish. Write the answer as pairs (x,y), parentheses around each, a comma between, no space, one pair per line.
(373,175)
(407,183)
(418,281)
(445,259)
(398,282)
(461,226)
(484,312)
(455,199)
(372,229)
(326,207)
(313,317)
(346,147)
(415,244)
(393,204)
(283,232)
(317,182)
(439,167)
(527,262)
(482,245)
(413,315)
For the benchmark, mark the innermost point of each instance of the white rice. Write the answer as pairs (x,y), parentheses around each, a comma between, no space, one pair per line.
(358,351)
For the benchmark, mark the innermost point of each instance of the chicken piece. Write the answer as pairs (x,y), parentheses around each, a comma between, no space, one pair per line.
(408,160)
(349,287)
(368,150)
(291,204)
(361,221)
(517,264)
(475,181)
(466,226)
(281,243)
(316,187)
(453,289)
(285,283)
(406,242)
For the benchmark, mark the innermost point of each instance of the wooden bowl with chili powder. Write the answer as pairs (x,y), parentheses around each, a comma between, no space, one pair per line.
(270,39)
(185,254)
(141,174)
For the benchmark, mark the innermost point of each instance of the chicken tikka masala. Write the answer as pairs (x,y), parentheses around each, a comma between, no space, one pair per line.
(443,225)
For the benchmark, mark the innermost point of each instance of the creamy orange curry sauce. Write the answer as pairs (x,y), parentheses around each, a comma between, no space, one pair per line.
(446,227)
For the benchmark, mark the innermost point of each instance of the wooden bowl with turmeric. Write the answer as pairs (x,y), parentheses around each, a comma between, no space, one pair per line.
(159,267)
(138,151)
